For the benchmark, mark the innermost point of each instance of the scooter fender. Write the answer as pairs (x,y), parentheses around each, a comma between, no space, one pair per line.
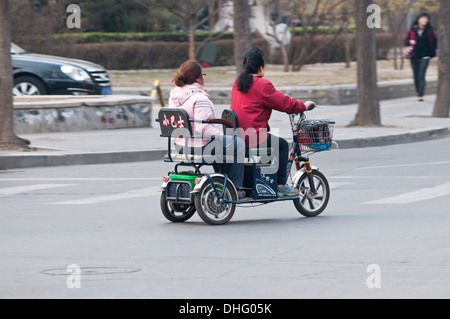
(164,185)
(205,179)
(300,173)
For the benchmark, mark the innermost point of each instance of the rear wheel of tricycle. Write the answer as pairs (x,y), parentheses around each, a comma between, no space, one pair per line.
(212,210)
(312,205)
(176,213)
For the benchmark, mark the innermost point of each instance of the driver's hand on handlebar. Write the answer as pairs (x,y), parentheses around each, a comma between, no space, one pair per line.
(310,105)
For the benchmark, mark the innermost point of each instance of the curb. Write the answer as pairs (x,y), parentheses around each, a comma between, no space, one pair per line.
(15,161)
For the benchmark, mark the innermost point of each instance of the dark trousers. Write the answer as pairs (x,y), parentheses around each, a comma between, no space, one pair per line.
(420,67)
(282,157)
(221,146)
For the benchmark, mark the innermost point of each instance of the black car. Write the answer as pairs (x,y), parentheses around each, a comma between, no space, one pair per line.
(37,74)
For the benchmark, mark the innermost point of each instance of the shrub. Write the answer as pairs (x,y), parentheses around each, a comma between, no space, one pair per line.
(133,37)
(80,37)
(299,31)
(334,52)
(141,55)
(162,55)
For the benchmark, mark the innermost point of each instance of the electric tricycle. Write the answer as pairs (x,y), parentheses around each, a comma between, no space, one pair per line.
(187,189)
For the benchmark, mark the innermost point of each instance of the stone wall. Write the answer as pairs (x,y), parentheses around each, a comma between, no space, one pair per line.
(323,95)
(70,114)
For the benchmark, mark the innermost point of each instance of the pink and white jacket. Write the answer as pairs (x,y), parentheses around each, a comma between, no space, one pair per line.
(194,99)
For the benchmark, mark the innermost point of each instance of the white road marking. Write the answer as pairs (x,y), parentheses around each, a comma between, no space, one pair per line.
(378,177)
(139,193)
(424,165)
(416,196)
(336,185)
(29,188)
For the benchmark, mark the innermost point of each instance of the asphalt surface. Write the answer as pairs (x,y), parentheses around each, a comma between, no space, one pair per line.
(384,234)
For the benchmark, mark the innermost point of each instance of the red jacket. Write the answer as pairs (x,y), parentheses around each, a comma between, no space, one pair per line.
(254,108)
(420,51)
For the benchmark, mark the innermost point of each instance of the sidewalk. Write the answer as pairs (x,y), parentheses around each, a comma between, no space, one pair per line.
(405,120)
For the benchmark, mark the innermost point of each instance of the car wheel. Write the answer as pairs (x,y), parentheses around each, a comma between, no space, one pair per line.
(28,85)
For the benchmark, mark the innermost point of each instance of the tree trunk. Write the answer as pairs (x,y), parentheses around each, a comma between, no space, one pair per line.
(442,105)
(395,57)
(348,40)
(241,21)
(191,39)
(307,52)
(8,140)
(368,113)
(303,56)
(284,52)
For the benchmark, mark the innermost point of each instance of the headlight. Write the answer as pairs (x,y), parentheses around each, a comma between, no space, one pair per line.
(76,73)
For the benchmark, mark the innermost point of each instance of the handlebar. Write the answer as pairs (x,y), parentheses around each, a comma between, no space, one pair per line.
(312,106)
(297,119)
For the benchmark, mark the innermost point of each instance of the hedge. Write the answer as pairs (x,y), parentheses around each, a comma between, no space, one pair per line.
(334,52)
(140,55)
(68,38)
(133,37)
(299,31)
(164,55)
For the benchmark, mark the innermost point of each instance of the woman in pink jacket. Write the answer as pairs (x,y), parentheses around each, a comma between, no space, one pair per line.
(190,94)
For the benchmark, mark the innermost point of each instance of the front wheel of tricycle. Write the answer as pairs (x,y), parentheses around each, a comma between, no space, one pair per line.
(211,209)
(312,205)
(176,213)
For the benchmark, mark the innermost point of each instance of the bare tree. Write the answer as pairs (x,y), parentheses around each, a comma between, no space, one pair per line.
(8,139)
(314,15)
(49,15)
(348,40)
(279,31)
(241,22)
(442,106)
(187,12)
(348,11)
(215,6)
(368,113)
(397,11)
(279,37)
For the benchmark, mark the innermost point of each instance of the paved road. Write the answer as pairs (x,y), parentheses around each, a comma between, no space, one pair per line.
(405,121)
(389,208)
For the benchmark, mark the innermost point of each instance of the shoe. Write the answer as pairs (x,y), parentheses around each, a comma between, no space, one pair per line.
(241,194)
(287,191)
(420,98)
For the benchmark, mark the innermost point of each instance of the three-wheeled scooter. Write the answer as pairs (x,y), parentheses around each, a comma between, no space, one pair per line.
(187,190)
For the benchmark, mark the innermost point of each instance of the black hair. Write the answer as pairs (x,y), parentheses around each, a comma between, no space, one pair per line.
(253,61)
(424,14)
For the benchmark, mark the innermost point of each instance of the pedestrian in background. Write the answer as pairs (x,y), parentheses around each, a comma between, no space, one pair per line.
(422,39)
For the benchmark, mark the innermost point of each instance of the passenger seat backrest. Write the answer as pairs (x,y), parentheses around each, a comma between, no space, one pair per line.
(171,119)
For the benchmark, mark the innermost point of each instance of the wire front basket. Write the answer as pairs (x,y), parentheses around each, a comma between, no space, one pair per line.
(316,135)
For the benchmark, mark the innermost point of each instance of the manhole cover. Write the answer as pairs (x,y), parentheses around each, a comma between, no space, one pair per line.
(91,271)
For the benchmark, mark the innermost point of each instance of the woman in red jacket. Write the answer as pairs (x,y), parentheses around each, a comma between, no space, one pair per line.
(253,99)
(421,36)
